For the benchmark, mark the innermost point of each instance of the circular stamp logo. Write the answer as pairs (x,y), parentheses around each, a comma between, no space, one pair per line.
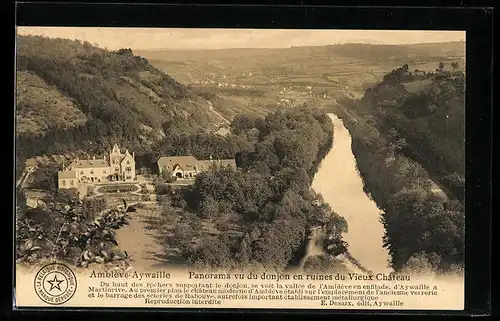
(55,283)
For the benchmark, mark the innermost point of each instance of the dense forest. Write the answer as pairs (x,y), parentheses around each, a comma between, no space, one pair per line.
(390,144)
(427,111)
(103,97)
(267,208)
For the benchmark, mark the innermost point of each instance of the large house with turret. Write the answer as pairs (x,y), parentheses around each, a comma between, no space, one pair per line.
(119,166)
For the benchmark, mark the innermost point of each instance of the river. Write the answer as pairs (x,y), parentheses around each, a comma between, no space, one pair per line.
(341,186)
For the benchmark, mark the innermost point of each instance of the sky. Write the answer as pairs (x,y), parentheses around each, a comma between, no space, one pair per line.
(176,38)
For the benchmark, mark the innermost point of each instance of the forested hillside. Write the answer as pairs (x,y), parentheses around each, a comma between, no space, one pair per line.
(75,96)
(408,132)
(426,112)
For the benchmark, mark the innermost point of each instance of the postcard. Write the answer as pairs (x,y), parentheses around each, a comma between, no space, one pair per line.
(240,168)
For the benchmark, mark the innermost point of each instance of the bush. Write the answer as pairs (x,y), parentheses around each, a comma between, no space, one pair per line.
(323,264)
(93,206)
(72,234)
(212,254)
(45,178)
(421,264)
(163,189)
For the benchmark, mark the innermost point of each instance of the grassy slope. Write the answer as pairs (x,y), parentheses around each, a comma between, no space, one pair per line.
(41,107)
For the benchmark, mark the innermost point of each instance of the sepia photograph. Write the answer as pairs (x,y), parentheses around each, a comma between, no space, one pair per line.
(336,155)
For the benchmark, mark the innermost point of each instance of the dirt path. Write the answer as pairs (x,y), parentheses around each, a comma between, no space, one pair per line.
(24,177)
(212,109)
(140,240)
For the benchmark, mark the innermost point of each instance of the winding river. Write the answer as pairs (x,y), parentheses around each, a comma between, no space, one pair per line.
(338,180)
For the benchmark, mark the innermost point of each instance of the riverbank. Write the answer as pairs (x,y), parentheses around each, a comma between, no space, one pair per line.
(421,225)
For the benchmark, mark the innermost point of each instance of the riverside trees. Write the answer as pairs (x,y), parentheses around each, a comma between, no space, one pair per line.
(420,226)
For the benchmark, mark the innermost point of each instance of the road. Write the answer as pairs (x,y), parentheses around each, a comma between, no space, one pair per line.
(212,109)
(141,240)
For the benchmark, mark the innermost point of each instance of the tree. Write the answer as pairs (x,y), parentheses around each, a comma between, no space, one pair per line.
(167,176)
(323,264)
(213,253)
(125,51)
(441,66)
(420,264)
(242,123)
(454,65)
(396,142)
(183,238)
(163,189)
(45,178)
(93,206)
(209,208)
(67,195)
(244,251)
(456,269)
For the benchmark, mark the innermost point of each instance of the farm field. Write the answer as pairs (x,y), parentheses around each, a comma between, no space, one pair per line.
(239,78)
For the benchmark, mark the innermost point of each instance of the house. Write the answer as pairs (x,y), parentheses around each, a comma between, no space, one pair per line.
(187,167)
(122,165)
(34,199)
(119,167)
(67,179)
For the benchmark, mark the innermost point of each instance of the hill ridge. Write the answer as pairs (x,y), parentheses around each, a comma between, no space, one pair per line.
(119,94)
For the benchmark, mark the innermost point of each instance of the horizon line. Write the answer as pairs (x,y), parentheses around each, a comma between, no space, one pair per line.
(307,46)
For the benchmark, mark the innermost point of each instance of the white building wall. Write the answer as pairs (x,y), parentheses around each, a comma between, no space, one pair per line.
(67,183)
(128,168)
(95,174)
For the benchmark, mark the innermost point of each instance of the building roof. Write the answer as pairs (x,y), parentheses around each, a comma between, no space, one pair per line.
(219,163)
(116,149)
(89,163)
(66,175)
(185,162)
(188,162)
(127,156)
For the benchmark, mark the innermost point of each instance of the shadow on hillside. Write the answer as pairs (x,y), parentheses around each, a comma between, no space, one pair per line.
(168,259)
(167,256)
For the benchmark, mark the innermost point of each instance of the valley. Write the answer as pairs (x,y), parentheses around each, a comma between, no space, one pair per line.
(326,138)
(259,80)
